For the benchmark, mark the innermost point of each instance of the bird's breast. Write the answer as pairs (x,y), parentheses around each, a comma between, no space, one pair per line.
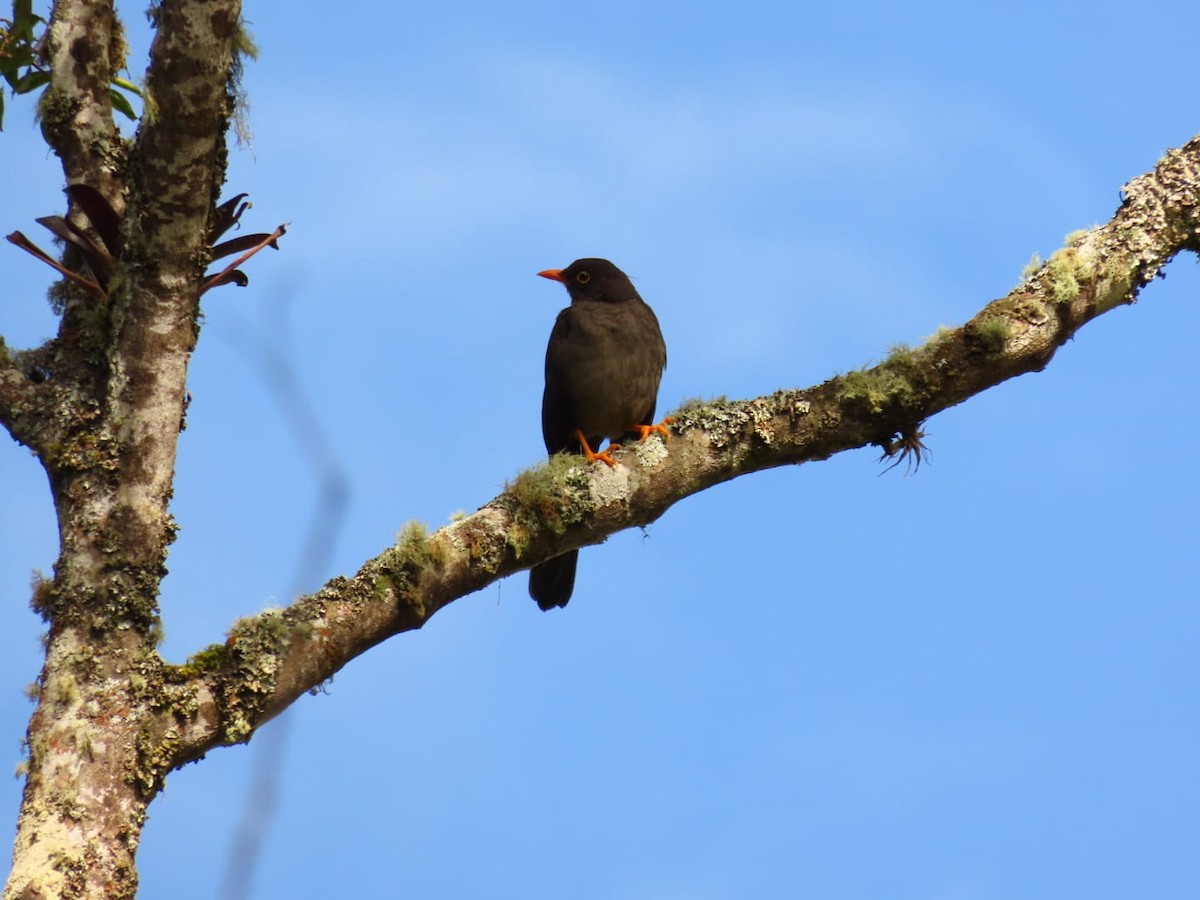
(608,359)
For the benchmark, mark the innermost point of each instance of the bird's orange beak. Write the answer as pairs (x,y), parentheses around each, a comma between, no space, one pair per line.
(552,274)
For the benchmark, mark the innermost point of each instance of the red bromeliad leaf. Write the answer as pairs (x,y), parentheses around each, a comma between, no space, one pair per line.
(104,257)
(231,274)
(100,213)
(226,216)
(30,247)
(99,260)
(238,244)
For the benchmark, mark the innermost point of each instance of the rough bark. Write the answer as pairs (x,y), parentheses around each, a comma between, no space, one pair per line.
(102,403)
(86,48)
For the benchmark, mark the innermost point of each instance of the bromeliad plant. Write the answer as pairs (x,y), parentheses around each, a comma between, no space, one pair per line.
(99,248)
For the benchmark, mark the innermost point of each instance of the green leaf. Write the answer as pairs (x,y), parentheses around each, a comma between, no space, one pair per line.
(17,44)
(24,20)
(126,85)
(31,81)
(121,104)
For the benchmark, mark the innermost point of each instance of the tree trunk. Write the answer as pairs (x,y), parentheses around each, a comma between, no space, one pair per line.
(102,406)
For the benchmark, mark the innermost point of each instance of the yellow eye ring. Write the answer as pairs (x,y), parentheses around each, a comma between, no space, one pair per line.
(583,277)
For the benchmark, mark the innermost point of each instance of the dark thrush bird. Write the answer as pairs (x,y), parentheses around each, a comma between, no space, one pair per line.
(604,361)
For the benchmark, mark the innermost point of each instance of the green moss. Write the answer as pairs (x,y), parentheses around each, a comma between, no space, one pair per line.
(61,688)
(382,584)
(412,538)
(243,41)
(539,484)
(210,659)
(243,48)
(42,600)
(1065,269)
(899,354)
(695,403)
(413,547)
(884,385)
(1064,286)
(943,332)
(400,567)
(993,332)
(118,49)
(1031,267)
(876,388)
(552,493)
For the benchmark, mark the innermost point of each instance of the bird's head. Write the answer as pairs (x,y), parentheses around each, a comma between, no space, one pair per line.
(593,279)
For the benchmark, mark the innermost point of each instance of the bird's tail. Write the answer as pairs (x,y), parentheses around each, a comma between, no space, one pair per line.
(551,583)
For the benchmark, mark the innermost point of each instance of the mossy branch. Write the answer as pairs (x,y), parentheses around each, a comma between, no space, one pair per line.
(271,659)
(85,48)
(26,406)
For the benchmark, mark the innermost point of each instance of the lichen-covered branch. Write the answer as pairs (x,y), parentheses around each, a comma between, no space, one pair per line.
(272,658)
(179,153)
(24,399)
(86,48)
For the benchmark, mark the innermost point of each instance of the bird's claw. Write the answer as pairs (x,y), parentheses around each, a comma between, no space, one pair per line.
(592,455)
(603,455)
(661,428)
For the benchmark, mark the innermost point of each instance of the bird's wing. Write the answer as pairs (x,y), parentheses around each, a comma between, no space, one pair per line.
(558,425)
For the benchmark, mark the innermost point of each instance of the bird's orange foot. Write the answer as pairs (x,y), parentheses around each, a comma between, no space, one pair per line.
(661,428)
(603,455)
(592,456)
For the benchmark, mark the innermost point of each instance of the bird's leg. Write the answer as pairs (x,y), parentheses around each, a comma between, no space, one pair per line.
(646,430)
(591,456)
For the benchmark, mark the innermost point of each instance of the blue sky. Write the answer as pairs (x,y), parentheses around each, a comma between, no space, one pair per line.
(976,682)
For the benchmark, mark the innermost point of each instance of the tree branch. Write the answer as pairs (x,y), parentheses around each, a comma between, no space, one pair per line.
(175,180)
(86,48)
(24,400)
(270,659)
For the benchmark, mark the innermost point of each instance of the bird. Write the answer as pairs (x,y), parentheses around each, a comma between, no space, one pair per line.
(604,361)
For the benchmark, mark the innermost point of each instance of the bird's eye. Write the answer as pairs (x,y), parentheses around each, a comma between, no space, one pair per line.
(583,277)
